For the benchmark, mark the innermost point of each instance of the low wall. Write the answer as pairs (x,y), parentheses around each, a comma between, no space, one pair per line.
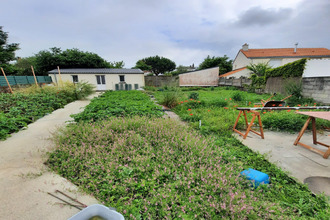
(277,84)
(317,88)
(237,82)
(159,81)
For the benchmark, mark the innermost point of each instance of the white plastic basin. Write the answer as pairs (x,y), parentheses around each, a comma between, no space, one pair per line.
(97,210)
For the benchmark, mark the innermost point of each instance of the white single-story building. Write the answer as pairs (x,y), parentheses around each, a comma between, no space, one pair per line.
(102,78)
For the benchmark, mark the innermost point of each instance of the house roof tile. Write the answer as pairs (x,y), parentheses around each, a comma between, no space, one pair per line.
(97,71)
(232,72)
(286,52)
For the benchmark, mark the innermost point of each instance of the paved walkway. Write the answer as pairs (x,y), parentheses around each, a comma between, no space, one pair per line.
(25,181)
(298,161)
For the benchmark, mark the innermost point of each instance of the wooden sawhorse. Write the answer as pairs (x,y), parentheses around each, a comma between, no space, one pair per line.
(255,115)
(312,116)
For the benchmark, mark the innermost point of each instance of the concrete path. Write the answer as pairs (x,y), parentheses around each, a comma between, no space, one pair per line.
(25,180)
(298,161)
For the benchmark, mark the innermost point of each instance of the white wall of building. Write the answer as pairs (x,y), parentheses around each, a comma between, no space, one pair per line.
(317,68)
(110,79)
(240,61)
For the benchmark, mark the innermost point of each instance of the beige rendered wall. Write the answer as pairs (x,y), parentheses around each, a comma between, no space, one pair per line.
(242,73)
(207,77)
(110,79)
(240,61)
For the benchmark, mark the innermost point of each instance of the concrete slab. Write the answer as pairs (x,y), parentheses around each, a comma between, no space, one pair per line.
(298,161)
(25,180)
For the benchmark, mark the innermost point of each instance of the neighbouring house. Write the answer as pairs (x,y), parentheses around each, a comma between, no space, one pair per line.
(205,77)
(102,78)
(275,57)
(238,73)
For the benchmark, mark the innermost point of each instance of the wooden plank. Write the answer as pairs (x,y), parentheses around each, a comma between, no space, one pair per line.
(314,131)
(34,75)
(6,80)
(302,131)
(311,148)
(283,108)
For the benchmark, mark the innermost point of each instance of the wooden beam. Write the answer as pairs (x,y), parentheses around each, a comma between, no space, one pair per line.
(35,78)
(7,80)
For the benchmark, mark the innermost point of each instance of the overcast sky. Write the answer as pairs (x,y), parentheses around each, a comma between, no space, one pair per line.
(185,31)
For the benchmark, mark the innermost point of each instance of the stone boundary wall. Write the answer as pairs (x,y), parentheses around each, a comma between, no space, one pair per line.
(317,88)
(237,82)
(159,81)
(277,84)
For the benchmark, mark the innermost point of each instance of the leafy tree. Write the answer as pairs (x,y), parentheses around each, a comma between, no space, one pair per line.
(7,52)
(23,65)
(180,69)
(142,65)
(225,65)
(156,64)
(117,65)
(259,74)
(259,69)
(47,60)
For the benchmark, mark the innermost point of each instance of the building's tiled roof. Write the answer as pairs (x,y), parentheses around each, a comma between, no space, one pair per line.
(286,52)
(97,71)
(232,72)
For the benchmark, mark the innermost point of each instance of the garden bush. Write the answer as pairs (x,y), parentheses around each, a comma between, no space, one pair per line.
(170,99)
(193,95)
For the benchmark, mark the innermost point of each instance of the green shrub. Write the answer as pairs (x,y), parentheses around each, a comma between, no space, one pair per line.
(237,96)
(170,99)
(193,95)
(84,89)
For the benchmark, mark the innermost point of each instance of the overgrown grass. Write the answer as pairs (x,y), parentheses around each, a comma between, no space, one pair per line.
(152,168)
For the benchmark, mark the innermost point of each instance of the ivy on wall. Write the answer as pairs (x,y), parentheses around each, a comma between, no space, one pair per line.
(294,69)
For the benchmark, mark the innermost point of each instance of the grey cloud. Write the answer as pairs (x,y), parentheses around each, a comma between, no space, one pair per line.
(261,17)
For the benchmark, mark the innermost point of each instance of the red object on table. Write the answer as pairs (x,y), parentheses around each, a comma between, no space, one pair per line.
(312,116)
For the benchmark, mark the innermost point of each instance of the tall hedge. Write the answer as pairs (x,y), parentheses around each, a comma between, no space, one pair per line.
(294,69)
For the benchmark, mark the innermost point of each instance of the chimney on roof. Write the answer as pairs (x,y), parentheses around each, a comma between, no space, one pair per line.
(245,47)
(295,48)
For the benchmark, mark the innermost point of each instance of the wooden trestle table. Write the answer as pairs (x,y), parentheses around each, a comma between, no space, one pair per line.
(311,117)
(255,114)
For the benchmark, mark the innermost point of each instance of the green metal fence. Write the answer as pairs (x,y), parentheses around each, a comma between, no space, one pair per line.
(24,80)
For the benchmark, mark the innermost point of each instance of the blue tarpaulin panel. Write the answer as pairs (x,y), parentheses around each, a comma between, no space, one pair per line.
(21,80)
(30,79)
(24,80)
